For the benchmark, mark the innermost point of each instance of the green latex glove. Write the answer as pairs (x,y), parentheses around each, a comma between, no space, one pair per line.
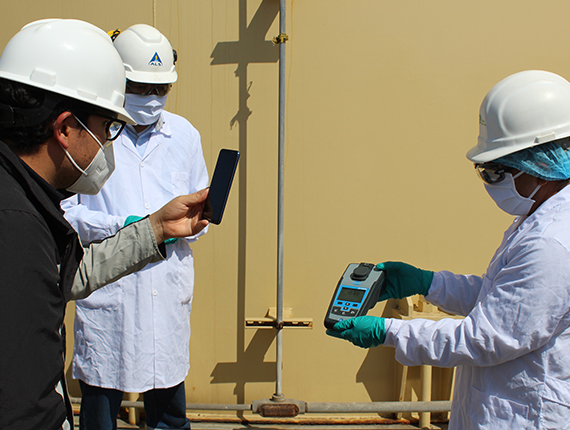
(365,331)
(134,218)
(131,219)
(403,280)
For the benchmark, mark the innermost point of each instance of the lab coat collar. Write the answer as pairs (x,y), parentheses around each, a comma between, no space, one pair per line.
(161,127)
(561,197)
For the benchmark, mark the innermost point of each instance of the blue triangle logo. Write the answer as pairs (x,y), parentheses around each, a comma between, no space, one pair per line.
(155,60)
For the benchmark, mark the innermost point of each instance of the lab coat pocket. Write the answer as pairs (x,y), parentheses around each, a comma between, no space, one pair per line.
(182,272)
(493,413)
(180,183)
(108,297)
(555,410)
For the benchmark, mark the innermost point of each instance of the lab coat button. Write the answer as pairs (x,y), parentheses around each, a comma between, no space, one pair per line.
(146,205)
(142,164)
(155,293)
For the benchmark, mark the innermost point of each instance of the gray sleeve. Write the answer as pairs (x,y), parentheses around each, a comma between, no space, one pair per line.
(128,251)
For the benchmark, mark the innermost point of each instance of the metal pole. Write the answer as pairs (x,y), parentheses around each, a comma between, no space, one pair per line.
(320,407)
(426,379)
(378,407)
(279,341)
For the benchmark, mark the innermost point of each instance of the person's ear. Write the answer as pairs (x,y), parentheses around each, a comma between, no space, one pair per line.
(62,128)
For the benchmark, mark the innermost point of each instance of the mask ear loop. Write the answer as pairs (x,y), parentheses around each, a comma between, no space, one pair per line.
(535,190)
(70,158)
(68,155)
(518,174)
(90,132)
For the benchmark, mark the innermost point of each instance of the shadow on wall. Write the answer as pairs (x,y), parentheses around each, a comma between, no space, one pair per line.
(390,382)
(251,47)
(250,366)
(378,380)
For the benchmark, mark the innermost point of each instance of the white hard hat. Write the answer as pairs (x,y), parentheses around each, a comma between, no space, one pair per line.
(68,57)
(523,110)
(147,55)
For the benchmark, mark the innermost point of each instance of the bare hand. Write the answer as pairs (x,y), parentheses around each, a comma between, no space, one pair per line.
(180,217)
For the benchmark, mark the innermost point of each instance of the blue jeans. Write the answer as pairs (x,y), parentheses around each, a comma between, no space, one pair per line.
(164,408)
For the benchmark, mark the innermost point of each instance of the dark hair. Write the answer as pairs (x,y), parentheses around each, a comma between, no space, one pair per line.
(27,114)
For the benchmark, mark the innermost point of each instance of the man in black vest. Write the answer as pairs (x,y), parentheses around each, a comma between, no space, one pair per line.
(62,86)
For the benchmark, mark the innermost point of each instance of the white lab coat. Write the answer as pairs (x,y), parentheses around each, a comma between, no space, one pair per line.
(513,347)
(134,335)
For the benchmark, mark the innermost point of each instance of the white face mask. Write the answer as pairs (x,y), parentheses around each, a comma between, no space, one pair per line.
(145,110)
(96,174)
(507,197)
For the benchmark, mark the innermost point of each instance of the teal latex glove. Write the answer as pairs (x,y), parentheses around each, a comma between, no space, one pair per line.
(134,218)
(131,219)
(365,331)
(403,280)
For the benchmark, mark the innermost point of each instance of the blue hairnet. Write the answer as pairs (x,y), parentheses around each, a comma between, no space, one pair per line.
(549,161)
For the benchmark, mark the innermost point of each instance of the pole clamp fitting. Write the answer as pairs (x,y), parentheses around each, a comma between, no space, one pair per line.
(281,38)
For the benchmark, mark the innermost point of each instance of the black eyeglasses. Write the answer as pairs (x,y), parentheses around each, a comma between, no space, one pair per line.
(113,126)
(143,89)
(492,173)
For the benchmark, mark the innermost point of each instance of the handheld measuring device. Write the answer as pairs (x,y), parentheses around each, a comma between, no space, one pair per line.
(357,291)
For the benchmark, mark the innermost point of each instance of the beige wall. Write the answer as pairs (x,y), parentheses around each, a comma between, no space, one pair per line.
(382,104)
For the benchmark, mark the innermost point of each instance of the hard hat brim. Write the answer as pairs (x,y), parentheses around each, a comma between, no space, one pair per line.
(98,102)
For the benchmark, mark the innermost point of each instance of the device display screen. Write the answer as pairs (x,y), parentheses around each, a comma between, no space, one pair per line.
(350,295)
(220,186)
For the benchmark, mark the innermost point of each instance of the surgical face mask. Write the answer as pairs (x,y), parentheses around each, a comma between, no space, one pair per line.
(505,194)
(145,110)
(96,174)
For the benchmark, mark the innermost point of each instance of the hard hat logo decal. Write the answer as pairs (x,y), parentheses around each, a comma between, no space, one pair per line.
(482,121)
(155,60)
